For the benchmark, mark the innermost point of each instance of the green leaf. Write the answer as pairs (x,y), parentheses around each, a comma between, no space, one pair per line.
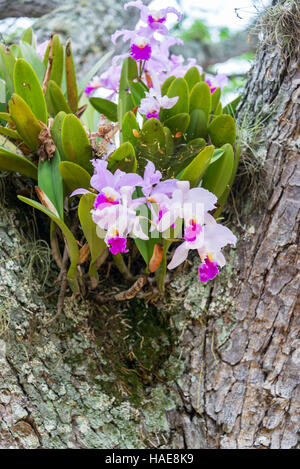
(198,125)
(50,181)
(106,107)
(161,272)
(75,142)
(6,117)
(56,129)
(215,99)
(57,68)
(2,95)
(138,92)
(217,154)
(10,161)
(26,123)
(71,78)
(123,158)
(129,125)
(9,133)
(218,111)
(178,87)
(7,63)
(185,155)
(31,56)
(71,241)
(201,98)
(219,173)
(27,86)
(166,85)
(178,123)
(28,36)
(129,72)
(146,247)
(88,76)
(152,141)
(230,108)
(169,141)
(74,176)
(97,245)
(222,130)
(196,169)
(192,77)
(56,100)
(223,198)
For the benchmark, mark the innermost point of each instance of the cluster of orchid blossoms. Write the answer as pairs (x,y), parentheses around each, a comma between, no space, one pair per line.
(149,46)
(126,200)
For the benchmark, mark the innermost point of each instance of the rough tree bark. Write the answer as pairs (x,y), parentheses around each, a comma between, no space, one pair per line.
(211,366)
(30,8)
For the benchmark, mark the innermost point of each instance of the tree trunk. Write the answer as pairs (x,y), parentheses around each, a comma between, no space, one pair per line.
(212,366)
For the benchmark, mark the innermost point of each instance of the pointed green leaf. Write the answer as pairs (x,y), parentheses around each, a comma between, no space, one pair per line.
(58,62)
(71,241)
(56,100)
(219,173)
(218,111)
(26,123)
(97,245)
(222,130)
(57,68)
(166,85)
(215,99)
(196,169)
(9,133)
(217,154)
(129,72)
(201,98)
(6,117)
(161,272)
(50,181)
(123,158)
(230,108)
(88,76)
(146,247)
(106,107)
(75,142)
(223,198)
(7,63)
(10,161)
(27,86)
(28,36)
(192,77)
(74,176)
(137,91)
(31,56)
(71,78)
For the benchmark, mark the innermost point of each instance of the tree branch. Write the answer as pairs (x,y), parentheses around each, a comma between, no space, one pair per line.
(27,8)
(210,54)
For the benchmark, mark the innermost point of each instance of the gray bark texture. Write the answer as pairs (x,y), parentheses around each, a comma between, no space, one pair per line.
(30,8)
(210,366)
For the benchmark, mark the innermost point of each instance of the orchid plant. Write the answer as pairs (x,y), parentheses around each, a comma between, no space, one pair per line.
(143,151)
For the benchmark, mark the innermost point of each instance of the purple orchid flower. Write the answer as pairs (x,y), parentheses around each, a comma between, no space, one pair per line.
(155,19)
(153,102)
